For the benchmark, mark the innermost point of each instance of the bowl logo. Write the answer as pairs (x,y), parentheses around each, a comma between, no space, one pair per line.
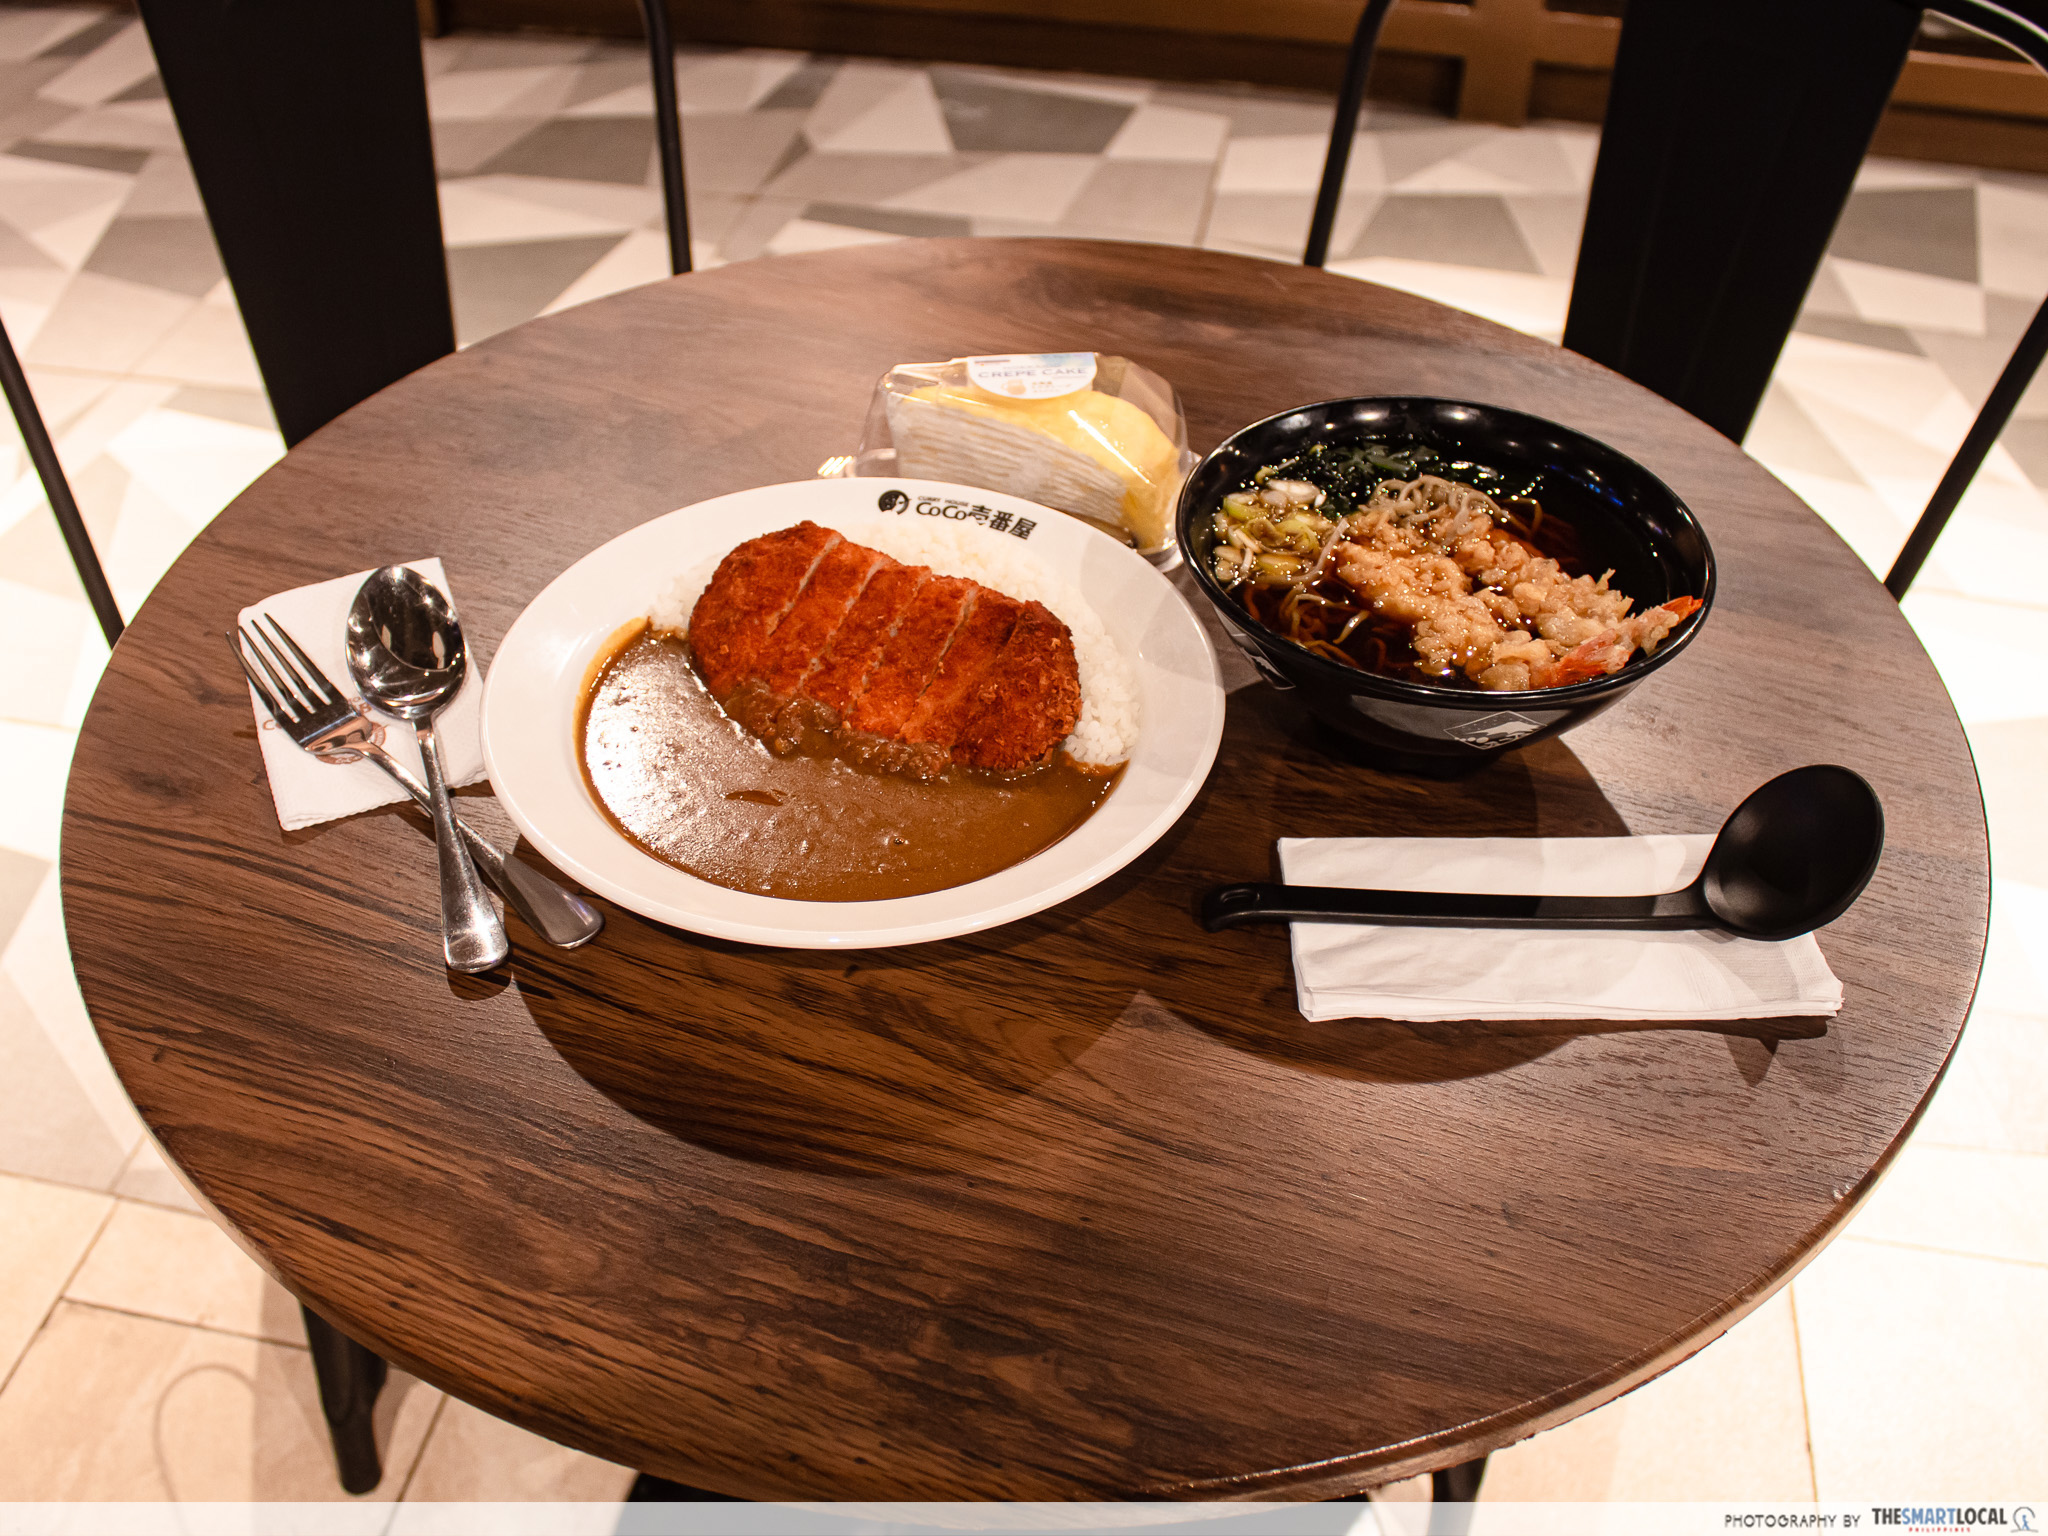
(1490,731)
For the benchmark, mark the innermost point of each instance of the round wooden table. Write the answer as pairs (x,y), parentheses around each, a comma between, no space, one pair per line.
(1077,1208)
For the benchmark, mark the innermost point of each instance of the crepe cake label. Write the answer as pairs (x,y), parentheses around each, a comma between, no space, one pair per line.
(960,511)
(1032,375)
(1493,730)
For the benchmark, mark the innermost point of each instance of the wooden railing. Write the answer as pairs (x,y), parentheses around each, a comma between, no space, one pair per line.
(1498,51)
(1500,45)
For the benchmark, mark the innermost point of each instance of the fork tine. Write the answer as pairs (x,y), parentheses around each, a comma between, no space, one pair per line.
(304,689)
(259,647)
(263,693)
(329,693)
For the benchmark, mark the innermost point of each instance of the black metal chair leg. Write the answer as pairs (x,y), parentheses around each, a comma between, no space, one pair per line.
(43,454)
(350,1378)
(2005,395)
(649,1489)
(1350,101)
(307,131)
(1451,1493)
(1724,164)
(668,132)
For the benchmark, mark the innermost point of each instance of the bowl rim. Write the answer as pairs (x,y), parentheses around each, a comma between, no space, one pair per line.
(1357,679)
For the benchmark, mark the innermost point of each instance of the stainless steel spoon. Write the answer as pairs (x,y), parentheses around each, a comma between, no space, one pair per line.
(405,652)
(561,917)
(325,722)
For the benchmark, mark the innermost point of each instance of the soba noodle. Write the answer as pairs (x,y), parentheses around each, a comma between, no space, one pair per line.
(1426,577)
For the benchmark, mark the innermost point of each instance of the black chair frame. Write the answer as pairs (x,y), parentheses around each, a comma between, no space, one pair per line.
(35,436)
(1714,356)
(668,132)
(307,388)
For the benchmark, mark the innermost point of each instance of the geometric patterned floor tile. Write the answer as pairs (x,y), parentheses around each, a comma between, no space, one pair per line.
(169,251)
(734,153)
(247,407)
(1420,226)
(586,149)
(1863,333)
(1145,199)
(98,157)
(51,33)
(982,115)
(888,221)
(33,556)
(21,875)
(499,285)
(49,1126)
(2027,441)
(110,1406)
(112,290)
(1932,231)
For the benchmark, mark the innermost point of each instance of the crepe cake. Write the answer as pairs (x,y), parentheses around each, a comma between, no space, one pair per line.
(804,629)
(1085,452)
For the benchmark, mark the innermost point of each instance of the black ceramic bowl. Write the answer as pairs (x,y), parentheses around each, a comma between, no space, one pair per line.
(1625,517)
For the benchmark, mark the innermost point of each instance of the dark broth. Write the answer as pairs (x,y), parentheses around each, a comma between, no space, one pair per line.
(686,784)
(1348,473)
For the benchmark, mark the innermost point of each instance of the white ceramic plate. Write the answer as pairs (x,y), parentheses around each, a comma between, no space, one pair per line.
(530,700)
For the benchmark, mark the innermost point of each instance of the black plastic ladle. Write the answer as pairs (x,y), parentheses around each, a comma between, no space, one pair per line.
(1791,858)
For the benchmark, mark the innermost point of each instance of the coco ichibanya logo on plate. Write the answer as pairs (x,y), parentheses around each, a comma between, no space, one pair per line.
(960,511)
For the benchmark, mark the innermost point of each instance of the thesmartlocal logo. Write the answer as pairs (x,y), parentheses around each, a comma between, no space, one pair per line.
(1955,1517)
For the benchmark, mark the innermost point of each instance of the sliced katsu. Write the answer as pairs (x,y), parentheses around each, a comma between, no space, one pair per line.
(750,591)
(950,695)
(793,647)
(911,657)
(1029,700)
(802,627)
(843,668)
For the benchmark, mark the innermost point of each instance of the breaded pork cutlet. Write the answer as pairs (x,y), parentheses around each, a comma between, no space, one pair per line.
(1028,702)
(950,695)
(814,618)
(801,630)
(751,590)
(842,672)
(911,657)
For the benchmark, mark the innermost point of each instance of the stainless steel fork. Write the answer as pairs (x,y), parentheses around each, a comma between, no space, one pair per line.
(327,723)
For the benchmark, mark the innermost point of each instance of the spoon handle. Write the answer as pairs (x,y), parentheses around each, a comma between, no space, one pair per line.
(1230,906)
(472,937)
(561,917)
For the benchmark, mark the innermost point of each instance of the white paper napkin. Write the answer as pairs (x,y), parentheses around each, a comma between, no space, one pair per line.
(1352,971)
(308,791)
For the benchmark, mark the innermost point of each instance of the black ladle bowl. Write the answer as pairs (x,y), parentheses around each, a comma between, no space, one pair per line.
(1793,857)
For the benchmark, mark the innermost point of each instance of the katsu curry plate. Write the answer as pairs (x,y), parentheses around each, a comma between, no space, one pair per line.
(851,713)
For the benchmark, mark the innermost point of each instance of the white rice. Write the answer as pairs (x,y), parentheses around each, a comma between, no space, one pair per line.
(1108,728)
(670,613)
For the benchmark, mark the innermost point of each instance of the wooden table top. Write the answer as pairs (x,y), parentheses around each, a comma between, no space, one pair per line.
(1080,1207)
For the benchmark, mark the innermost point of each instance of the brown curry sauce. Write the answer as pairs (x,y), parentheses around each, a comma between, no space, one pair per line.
(688,785)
